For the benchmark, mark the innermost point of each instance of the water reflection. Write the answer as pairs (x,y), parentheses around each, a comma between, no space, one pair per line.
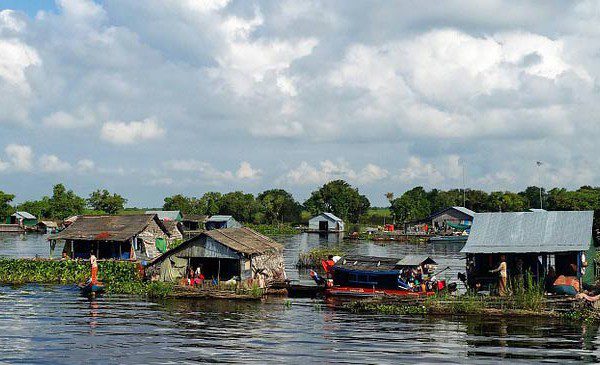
(41,322)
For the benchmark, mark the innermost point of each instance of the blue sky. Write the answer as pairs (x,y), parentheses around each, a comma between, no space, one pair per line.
(150,98)
(30,7)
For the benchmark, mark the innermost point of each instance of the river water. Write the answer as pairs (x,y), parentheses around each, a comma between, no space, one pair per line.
(53,324)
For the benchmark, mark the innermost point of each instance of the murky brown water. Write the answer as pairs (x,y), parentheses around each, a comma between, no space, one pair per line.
(53,324)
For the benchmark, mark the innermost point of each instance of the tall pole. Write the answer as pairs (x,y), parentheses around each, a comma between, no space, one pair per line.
(464,187)
(539,165)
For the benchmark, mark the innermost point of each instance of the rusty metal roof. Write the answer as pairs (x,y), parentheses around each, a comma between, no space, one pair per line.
(107,228)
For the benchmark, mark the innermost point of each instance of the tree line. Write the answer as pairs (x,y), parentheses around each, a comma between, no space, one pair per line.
(418,203)
(338,197)
(270,206)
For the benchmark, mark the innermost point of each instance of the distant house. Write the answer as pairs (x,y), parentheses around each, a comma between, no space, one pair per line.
(23,219)
(326,222)
(47,227)
(223,254)
(451,217)
(221,221)
(167,215)
(123,237)
(193,222)
(531,241)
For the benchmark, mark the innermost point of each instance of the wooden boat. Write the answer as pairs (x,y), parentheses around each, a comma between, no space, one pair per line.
(448,239)
(91,289)
(368,276)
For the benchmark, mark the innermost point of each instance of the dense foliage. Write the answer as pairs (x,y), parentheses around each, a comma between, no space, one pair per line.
(339,198)
(5,208)
(270,206)
(418,203)
(103,200)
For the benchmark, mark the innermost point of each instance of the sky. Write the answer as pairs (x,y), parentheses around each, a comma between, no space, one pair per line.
(151,98)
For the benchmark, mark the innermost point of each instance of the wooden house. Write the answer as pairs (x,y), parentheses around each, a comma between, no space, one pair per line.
(125,237)
(531,242)
(326,222)
(223,254)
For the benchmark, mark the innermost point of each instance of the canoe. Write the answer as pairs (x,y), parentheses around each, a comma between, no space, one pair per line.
(89,288)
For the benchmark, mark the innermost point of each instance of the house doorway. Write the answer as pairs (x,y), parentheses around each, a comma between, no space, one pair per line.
(323,226)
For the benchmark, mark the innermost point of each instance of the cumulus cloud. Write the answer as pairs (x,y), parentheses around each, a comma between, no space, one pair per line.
(417,171)
(20,157)
(307,174)
(301,80)
(86,165)
(128,133)
(51,163)
(246,171)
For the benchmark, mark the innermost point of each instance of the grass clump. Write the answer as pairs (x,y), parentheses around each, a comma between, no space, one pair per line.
(312,259)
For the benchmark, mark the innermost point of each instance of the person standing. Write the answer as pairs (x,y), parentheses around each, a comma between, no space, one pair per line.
(94,263)
(503,276)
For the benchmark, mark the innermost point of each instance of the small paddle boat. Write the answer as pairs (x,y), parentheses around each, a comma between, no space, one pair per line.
(91,289)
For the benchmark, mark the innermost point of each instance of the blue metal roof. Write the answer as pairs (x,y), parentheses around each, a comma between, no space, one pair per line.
(523,232)
(219,218)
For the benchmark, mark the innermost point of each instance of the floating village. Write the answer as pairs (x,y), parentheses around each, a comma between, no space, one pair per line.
(531,263)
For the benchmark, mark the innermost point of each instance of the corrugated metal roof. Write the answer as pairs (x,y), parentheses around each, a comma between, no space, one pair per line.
(219,218)
(24,215)
(165,214)
(328,215)
(465,210)
(530,232)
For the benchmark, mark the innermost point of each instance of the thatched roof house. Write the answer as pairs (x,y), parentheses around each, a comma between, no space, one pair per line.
(116,237)
(223,254)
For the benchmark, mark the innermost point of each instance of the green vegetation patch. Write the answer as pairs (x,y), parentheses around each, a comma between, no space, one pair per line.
(312,259)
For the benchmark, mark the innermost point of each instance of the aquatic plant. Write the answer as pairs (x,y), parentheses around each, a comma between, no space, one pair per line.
(312,259)
(273,230)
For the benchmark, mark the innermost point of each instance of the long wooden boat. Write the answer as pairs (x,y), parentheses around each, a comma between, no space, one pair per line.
(368,276)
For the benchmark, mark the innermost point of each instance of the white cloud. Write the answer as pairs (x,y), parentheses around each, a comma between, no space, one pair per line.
(65,120)
(16,57)
(417,171)
(20,157)
(306,174)
(206,170)
(51,163)
(85,165)
(4,166)
(128,133)
(247,172)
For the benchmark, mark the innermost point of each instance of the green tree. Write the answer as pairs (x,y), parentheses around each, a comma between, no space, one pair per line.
(279,206)
(5,208)
(506,201)
(39,208)
(65,203)
(532,195)
(412,205)
(103,200)
(242,207)
(339,198)
(181,203)
(210,203)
